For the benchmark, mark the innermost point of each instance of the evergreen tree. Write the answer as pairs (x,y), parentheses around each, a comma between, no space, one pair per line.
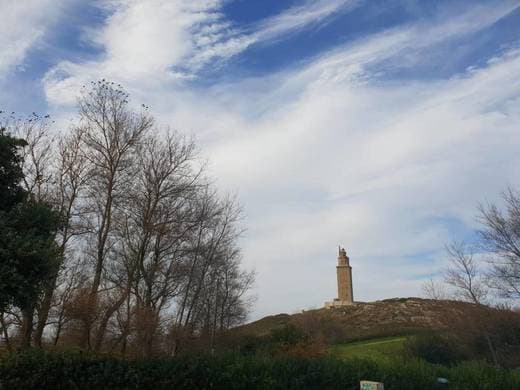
(28,252)
(11,173)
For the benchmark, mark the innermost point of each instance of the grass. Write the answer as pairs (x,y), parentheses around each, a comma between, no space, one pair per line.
(380,349)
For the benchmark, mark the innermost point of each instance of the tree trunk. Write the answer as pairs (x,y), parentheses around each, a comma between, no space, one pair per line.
(6,333)
(492,350)
(102,237)
(150,334)
(100,334)
(43,312)
(27,326)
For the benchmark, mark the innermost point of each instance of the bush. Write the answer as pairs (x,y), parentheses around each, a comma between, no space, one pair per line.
(288,335)
(44,370)
(287,339)
(434,348)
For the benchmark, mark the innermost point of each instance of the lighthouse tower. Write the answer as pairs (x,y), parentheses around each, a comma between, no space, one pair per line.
(344,274)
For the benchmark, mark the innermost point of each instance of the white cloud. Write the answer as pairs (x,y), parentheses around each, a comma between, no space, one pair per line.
(225,43)
(24,24)
(141,41)
(143,38)
(166,41)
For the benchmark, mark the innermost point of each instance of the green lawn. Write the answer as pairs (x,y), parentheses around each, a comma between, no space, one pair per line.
(377,349)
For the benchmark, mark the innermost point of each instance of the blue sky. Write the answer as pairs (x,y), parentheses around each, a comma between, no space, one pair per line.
(378,125)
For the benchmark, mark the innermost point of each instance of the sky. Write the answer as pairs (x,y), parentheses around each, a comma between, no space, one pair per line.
(375,125)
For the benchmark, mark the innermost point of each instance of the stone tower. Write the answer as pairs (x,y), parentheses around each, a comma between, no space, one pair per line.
(344,271)
(344,274)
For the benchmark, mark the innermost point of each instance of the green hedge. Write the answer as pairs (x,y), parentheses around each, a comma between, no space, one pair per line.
(44,370)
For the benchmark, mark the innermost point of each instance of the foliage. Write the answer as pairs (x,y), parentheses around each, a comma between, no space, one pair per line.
(279,340)
(11,173)
(435,348)
(469,337)
(288,335)
(28,253)
(43,370)
(287,340)
(27,229)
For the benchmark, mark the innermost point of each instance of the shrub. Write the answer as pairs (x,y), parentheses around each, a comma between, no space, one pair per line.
(44,370)
(434,348)
(288,335)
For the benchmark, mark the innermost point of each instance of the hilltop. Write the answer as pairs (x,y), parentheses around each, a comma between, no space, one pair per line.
(389,317)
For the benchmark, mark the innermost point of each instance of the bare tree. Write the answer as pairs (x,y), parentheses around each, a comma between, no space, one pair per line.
(469,281)
(230,305)
(500,234)
(433,289)
(213,293)
(111,132)
(69,279)
(70,178)
(465,274)
(37,155)
(149,228)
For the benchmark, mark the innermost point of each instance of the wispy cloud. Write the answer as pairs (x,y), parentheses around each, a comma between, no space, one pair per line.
(24,24)
(226,42)
(404,45)
(174,40)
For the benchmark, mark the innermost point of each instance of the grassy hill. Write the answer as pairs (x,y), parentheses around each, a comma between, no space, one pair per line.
(385,348)
(439,331)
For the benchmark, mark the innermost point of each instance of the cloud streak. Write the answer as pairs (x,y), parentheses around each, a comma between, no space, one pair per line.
(224,43)
(172,41)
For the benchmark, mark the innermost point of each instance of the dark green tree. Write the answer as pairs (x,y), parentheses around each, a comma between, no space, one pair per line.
(28,251)
(11,194)
(11,173)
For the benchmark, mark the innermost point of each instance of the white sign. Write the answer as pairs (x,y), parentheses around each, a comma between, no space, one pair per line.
(369,385)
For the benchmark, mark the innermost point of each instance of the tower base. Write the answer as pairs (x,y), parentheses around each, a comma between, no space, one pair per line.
(338,303)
